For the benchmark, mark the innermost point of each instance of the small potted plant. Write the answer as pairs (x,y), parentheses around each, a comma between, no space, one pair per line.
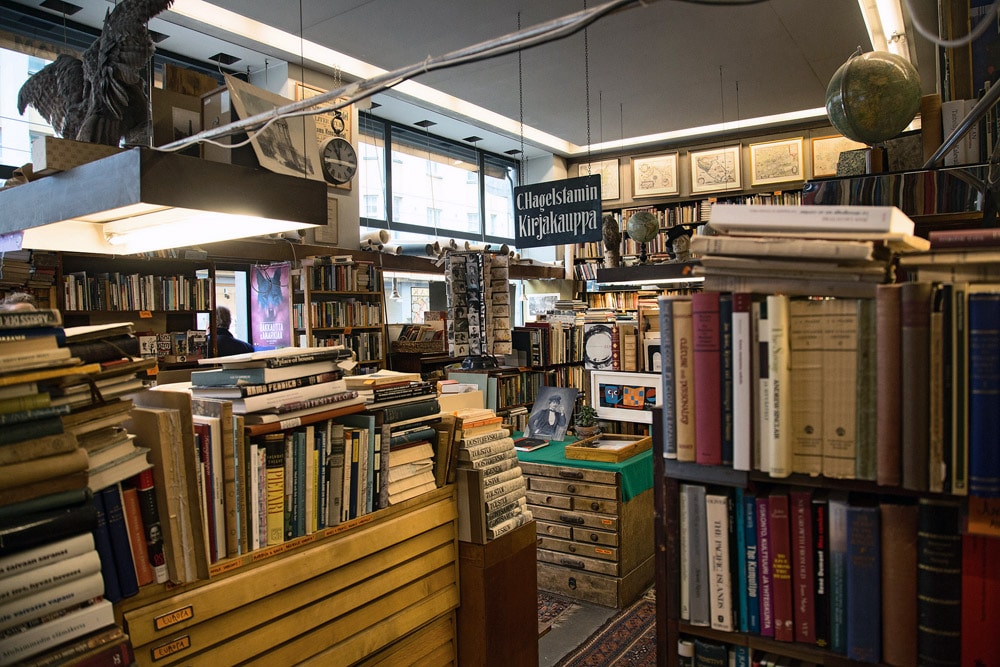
(585,422)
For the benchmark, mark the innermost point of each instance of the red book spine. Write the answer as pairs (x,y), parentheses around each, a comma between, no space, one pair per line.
(980,600)
(764,587)
(707,377)
(136,536)
(802,566)
(616,349)
(781,567)
(964,238)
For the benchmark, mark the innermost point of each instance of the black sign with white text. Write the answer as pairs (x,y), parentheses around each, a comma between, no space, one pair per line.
(558,212)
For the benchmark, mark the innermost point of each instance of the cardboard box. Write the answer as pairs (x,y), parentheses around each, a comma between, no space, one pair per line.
(175,116)
(217,109)
(53,154)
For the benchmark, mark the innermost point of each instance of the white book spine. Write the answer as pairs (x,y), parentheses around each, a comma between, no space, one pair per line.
(780,439)
(720,593)
(742,391)
(32,641)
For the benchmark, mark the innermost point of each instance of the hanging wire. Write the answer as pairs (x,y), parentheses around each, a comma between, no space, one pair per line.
(586,79)
(520,100)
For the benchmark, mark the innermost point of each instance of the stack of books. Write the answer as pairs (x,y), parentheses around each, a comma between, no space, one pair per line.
(490,478)
(285,386)
(803,250)
(411,463)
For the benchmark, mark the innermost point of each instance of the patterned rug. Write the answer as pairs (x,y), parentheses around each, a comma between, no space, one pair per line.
(553,608)
(629,638)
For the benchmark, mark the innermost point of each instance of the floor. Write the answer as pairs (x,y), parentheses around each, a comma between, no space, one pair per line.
(570,630)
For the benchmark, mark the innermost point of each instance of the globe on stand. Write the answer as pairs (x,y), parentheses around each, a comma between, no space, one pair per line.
(873,97)
(642,227)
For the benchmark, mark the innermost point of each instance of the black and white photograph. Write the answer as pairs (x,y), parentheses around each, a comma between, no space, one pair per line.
(551,413)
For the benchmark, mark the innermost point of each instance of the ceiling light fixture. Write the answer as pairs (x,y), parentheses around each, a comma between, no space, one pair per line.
(395,292)
(886,26)
(141,200)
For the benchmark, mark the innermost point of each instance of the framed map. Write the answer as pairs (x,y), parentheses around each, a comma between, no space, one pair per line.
(776,162)
(826,151)
(608,171)
(654,175)
(716,169)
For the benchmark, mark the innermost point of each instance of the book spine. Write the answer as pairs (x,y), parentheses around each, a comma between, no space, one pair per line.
(491,436)
(41,528)
(423,433)
(984,388)
(821,569)
(980,599)
(275,486)
(864,572)
(899,583)
(763,411)
(74,649)
(22,319)
(12,433)
(803,573)
(398,413)
(807,378)
(666,313)
(33,414)
(781,567)
(684,558)
(33,581)
(707,357)
(840,387)
(39,604)
(39,638)
(866,391)
(698,557)
(742,382)
(726,375)
(739,558)
(889,377)
(752,559)
(764,586)
(118,534)
(915,388)
(48,553)
(720,589)
(838,574)
(684,380)
(102,543)
(136,537)
(939,581)
(960,392)
(779,442)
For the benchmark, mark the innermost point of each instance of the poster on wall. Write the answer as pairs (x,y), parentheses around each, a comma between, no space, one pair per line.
(558,212)
(270,306)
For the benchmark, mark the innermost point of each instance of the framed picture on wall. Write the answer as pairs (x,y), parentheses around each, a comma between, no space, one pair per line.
(608,171)
(654,175)
(776,161)
(716,169)
(628,397)
(826,151)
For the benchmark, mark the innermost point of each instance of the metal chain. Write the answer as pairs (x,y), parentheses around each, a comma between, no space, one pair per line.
(520,99)
(586,79)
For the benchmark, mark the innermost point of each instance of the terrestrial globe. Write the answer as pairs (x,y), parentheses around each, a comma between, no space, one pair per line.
(873,97)
(642,227)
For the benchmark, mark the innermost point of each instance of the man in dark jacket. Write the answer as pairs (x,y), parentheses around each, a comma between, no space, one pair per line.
(227,343)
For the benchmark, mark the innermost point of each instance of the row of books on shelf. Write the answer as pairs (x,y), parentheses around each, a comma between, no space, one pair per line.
(134,291)
(366,345)
(174,346)
(337,314)
(832,374)
(882,581)
(548,342)
(329,274)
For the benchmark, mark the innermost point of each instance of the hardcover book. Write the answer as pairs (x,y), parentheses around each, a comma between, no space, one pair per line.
(915,387)
(803,571)
(697,548)
(707,362)
(889,376)
(939,581)
(782,592)
(764,588)
(684,380)
(899,583)
(864,573)
(717,518)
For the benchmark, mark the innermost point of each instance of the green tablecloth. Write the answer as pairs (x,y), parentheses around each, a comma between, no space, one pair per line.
(636,471)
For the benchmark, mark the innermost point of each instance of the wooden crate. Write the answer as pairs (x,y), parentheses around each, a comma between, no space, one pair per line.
(608,447)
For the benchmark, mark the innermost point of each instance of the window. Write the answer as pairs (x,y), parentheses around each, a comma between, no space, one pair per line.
(372,205)
(430,185)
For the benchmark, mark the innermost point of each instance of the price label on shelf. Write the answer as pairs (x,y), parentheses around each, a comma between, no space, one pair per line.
(145,314)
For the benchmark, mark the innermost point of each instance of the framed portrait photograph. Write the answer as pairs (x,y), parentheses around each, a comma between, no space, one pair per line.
(776,161)
(551,413)
(608,171)
(716,169)
(826,151)
(654,175)
(628,397)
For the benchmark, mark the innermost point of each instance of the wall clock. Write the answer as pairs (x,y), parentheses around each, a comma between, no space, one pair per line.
(597,347)
(339,160)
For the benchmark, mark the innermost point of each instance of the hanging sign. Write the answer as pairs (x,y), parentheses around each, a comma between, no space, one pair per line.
(558,212)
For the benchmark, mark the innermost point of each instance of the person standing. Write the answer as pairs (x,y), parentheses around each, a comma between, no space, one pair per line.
(226,342)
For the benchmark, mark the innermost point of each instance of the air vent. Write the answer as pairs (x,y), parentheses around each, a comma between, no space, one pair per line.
(473,139)
(425,123)
(224,58)
(512,151)
(157,37)
(64,8)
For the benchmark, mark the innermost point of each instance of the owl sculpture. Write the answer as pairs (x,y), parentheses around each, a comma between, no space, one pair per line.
(612,235)
(100,98)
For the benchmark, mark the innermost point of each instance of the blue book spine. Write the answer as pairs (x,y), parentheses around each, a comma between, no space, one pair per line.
(102,542)
(667,372)
(741,561)
(299,491)
(121,549)
(749,511)
(726,378)
(984,394)
(864,577)
(837,538)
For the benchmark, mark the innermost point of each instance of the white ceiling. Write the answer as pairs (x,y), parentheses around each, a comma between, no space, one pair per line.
(663,66)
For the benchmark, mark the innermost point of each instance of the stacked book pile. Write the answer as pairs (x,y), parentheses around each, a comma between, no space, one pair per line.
(52,592)
(802,250)
(411,463)
(490,479)
(282,386)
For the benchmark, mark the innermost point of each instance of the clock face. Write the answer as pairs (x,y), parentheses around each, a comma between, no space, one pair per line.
(597,347)
(340,162)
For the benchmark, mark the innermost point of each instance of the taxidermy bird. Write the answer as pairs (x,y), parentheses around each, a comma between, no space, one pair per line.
(102,97)
(612,235)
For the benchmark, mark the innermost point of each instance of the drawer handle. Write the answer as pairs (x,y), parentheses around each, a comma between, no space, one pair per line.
(578,564)
(569,518)
(571,474)
(595,506)
(594,537)
(571,488)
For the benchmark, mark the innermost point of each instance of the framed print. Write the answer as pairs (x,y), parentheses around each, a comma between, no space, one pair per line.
(654,175)
(628,397)
(715,169)
(550,413)
(597,353)
(608,171)
(826,151)
(776,161)
(333,124)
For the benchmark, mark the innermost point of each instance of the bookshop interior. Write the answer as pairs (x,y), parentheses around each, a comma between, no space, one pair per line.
(633,333)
